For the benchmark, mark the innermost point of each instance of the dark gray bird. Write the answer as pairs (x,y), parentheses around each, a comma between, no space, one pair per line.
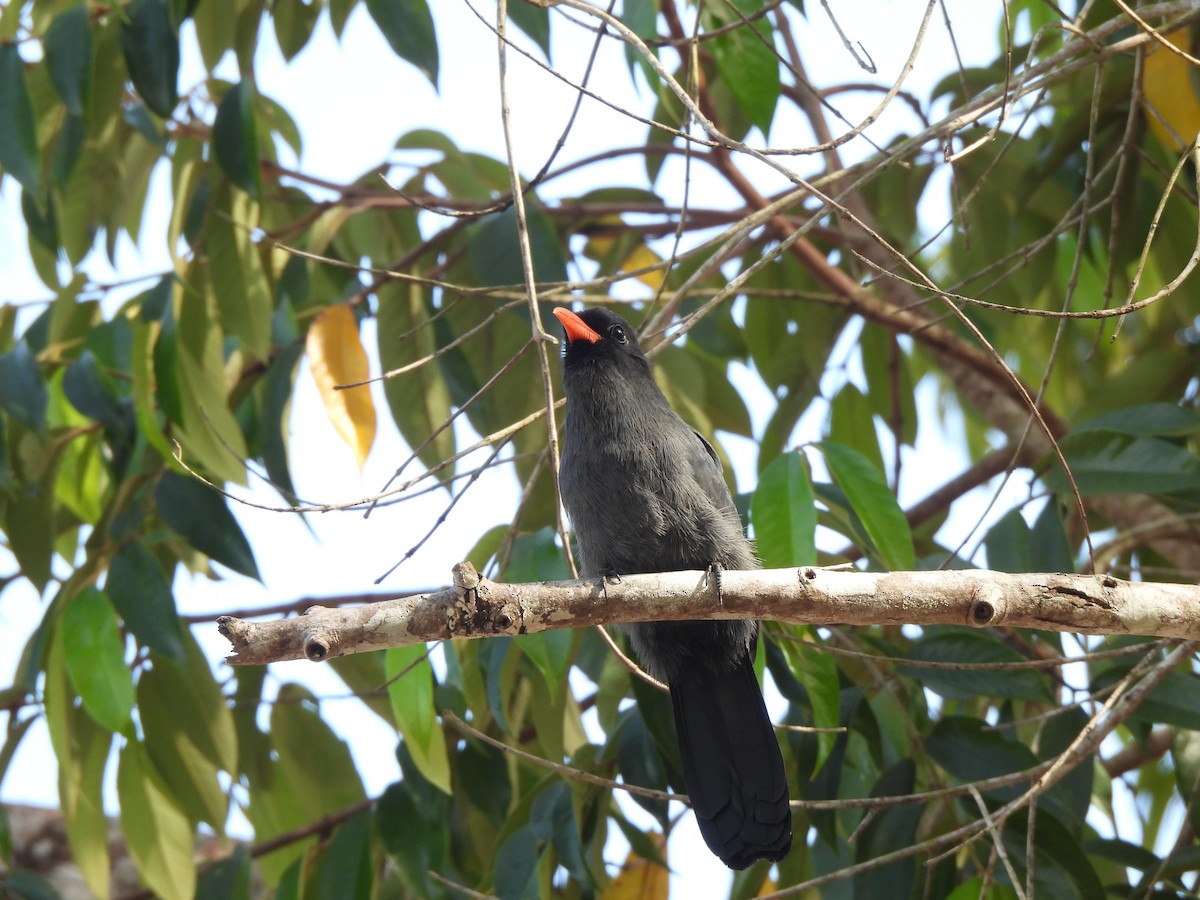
(645,493)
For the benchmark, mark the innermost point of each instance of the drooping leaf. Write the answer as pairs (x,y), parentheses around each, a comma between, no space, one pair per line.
(552,819)
(1106,463)
(891,830)
(235,138)
(874,503)
(408,27)
(967,749)
(495,253)
(226,879)
(419,399)
(159,836)
(151,47)
(18,138)
(95,657)
(971,646)
(189,738)
(201,515)
(346,864)
(1008,544)
(273,419)
(784,514)
(294,21)
(410,687)
(68,47)
(142,595)
(337,358)
(81,749)
(23,392)
(750,70)
(239,281)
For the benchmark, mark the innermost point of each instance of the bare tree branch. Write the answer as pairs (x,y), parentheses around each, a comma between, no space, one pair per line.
(478,607)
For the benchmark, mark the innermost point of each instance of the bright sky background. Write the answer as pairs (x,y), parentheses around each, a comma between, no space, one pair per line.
(351,101)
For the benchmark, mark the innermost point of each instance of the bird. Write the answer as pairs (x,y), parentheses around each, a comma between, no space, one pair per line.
(645,492)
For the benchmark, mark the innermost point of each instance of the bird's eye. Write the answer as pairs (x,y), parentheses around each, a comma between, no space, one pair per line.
(617,333)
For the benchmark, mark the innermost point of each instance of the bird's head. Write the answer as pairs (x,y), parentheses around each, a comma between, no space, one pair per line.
(598,337)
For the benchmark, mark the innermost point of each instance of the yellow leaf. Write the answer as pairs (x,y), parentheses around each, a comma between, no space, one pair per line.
(641,879)
(600,245)
(640,257)
(1171,92)
(337,357)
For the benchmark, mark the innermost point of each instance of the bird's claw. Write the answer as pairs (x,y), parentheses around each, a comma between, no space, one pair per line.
(609,577)
(714,571)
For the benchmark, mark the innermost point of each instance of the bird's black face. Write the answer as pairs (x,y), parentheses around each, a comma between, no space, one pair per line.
(598,334)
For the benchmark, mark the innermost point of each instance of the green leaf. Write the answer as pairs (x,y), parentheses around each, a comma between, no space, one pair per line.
(346,866)
(29,523)
(1106,463)
(310,752)
(852,422)
(1008,545)
(408,27)
(419,399)
(970,751)
(410,688)
(68,48)
(216,31)
(18,138)
(81,749)
(40,220)
(1176,700)
(151,47)
(495,253)
(783,513)
(365,676)
(235,138)
(1155,419)
(160,838)
(534,20)
(414,837)
(94,394)
(750,70)
(551,652)
(890,830)
(552,819)
(874,503)
(25,884)
(239,283)
(189,733)
(294,21)
(226,879)
(273,419)
(166,376)
(95,656)
(955,645)
(818,672)
(515,864)
(1049,550)
(200,514)
(23,393)
(142,595)
(536,557)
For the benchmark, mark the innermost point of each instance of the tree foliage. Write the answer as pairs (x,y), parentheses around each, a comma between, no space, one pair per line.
(1047,322)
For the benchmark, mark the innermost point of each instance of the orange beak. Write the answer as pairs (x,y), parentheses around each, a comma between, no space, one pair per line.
(575,327)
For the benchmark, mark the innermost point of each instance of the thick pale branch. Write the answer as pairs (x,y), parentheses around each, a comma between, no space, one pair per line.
(478,607)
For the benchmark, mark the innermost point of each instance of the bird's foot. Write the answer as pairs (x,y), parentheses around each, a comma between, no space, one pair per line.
(610,576)
(715,569)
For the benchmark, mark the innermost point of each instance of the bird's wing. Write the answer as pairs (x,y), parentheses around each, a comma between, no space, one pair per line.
(708,472)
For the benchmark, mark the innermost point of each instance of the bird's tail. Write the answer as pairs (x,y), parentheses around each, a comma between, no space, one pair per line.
(732,765)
